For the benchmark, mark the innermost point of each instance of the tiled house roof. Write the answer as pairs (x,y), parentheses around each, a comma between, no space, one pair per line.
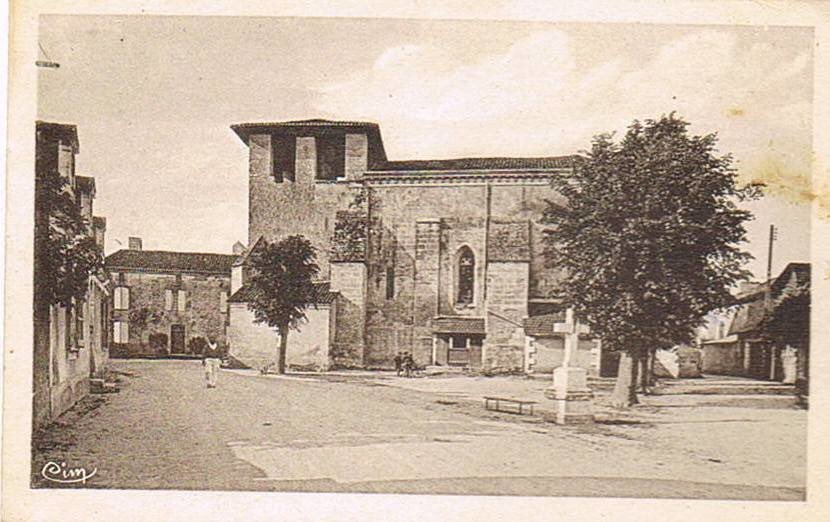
(749,315)
(322,294)
(542,325)
(509,241)
(61,131)
(164,261)
(458,325)
(799,272)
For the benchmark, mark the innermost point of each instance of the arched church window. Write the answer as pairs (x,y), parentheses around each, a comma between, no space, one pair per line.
(466,276)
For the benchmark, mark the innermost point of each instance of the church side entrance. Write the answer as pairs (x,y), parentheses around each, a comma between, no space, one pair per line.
(460,350)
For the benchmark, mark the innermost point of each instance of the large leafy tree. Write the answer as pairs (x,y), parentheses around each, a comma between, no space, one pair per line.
(65,253)
(282,275)
(649,239)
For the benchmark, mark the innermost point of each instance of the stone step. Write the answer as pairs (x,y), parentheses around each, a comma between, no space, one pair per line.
(101,386)
(441,370)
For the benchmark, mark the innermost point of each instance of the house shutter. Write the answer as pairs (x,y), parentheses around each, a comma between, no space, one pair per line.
(120,332)
(122,298)
(168,299)
(182,300)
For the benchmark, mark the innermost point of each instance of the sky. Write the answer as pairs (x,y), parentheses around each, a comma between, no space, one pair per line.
(154,97)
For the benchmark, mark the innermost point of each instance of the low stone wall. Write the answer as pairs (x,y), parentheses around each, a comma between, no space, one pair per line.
(723,358)
(255,344)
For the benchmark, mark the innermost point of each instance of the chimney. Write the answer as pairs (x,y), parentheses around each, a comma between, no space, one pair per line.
(135,243)
(238,248)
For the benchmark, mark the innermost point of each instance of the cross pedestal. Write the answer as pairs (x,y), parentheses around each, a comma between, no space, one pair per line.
(573,399)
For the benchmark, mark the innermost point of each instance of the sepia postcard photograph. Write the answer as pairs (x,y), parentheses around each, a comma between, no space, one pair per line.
(413,257)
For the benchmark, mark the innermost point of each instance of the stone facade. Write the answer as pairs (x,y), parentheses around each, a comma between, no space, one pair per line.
(70,342)
(442,239)
(169,301)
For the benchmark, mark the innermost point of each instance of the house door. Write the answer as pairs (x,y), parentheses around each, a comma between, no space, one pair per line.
(464,350)
(177,338)
(760,361)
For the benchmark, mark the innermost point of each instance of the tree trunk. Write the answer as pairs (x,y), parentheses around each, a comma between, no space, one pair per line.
(646,376)
(652,381)
(625,389)
(282,350)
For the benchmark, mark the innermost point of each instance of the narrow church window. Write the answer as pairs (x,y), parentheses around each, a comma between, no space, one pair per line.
(390,282)
(466,276)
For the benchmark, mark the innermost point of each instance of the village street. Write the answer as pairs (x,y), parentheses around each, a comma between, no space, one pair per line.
(363,434)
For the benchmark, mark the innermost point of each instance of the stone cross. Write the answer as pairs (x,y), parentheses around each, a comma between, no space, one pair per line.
(570,392)
(572,329)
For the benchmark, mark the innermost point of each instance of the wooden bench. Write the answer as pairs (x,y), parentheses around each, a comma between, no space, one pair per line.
(520,404)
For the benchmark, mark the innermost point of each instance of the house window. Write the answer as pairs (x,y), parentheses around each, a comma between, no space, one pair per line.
(223,302)
(390,282)
(79,319)
(66,160)
(120,332)
(168,299)
(466,276)
(182,300)
(70,324)
(122,298)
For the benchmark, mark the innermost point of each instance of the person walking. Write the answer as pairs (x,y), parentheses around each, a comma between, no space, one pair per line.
(211,360)
(398,363)
(408,364)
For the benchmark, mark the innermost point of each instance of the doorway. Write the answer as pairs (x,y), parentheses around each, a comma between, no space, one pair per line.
(177,338)
(464,350)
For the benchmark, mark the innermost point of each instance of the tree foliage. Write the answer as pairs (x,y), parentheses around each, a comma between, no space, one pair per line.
(66,254)
(650,234)
(282,275)
(141,317)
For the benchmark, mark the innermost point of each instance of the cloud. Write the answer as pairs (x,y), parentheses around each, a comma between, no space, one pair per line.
(543,89)
(412,82)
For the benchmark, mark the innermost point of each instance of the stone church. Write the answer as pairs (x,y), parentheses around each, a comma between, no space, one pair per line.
(441,258)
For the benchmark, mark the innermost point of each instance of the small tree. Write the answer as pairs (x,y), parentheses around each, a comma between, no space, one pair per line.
(142,317)
(649,239)
(65,254)
(282,275)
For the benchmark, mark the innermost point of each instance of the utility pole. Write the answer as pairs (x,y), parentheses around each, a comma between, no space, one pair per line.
(773,235)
